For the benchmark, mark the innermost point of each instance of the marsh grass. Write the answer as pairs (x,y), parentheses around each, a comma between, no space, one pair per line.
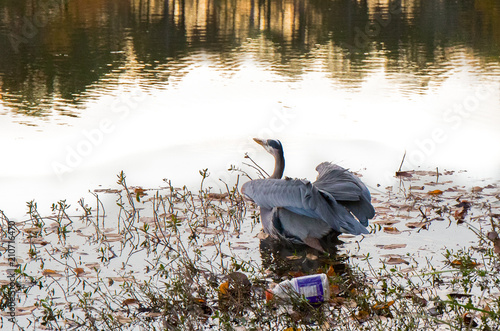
(174,259)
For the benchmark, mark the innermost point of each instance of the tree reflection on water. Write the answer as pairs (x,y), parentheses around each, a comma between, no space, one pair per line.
(59,53)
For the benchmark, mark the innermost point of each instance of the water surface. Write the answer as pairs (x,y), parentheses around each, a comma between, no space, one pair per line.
(166,88)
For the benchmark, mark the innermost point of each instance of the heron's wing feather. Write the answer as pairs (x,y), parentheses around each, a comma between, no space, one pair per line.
(347,189)
(303,198)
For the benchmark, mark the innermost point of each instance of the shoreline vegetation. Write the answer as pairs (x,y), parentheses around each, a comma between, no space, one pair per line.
(176,259)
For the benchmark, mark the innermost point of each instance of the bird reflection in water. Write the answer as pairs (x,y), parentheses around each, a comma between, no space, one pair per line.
(283,258)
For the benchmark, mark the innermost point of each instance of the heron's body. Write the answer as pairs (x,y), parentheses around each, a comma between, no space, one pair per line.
(299,211)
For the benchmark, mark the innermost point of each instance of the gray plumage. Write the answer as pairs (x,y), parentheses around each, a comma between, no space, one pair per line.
(303,212)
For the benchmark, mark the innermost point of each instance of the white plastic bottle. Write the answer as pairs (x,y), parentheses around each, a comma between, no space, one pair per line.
(315,288)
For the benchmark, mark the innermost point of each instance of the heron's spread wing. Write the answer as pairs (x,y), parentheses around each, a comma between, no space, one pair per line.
(303,198)
(347,189)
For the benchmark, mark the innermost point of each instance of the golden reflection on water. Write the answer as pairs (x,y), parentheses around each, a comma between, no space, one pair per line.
(73,50)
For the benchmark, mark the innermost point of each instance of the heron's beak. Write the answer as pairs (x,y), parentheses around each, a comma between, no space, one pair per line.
(260,141)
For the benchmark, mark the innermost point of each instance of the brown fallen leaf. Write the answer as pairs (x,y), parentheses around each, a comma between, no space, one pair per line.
(396,260)
(33,230)
(128,302)
(294,257)
(38,241)
(418,225)
(295,274)
(331,272)
(416,299)
(391,246)
(383,305)
(51,273)
(391,230)
(223,288)
(337,301)
(122,279)
(386,222)
(79,271)
(362,316)
(311,257)
(435,192)
(112,237)
(123,319)
(262,235)
(477,189)
(469,321)
(403,174)
(107,190)
(208,243)
(493,236)
(458,263)
(217,196)
(20,311)
(460,213)
(419,188)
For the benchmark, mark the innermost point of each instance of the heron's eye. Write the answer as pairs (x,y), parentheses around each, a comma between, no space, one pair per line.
(274,144)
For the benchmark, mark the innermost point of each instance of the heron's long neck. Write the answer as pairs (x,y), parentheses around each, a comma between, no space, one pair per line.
(279,166)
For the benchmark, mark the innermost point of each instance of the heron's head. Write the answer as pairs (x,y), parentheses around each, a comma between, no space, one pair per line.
(272,146)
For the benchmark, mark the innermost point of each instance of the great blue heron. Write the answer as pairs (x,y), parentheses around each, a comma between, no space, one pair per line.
(302,212)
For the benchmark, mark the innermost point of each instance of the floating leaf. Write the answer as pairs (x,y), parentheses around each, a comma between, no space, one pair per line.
(93,265)
(391,246)
(419,188)
(23,311)
(39,241)
(331,272)
(223,288)
(459,295)
(460,213)
(262,235)
(79,271)
(51,273)
(122,279)
(124,319)
(107,190)
(468,319)
(418,225)
(296,273)
(334,289)
(403,174)
(208,243)
(139,193)
(469,264)
(383,305)
(362,315)
(33,230)
(112,237)
(311,257)
(396,260)
(217,196)
(391,230)
(128,302)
